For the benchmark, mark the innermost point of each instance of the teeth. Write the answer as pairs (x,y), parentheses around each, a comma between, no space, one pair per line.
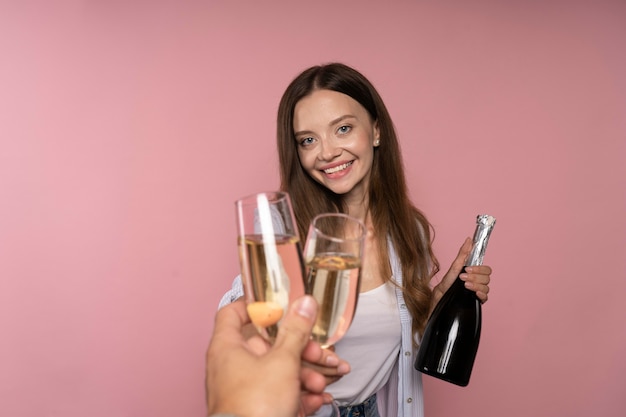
(338,168)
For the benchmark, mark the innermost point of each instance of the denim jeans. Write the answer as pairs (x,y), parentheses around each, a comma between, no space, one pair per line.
(366,409)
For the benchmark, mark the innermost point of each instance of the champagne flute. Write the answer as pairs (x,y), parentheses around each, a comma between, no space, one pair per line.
(334,255)
(270,258)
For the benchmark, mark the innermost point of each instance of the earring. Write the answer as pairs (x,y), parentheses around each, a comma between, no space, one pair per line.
(377,142)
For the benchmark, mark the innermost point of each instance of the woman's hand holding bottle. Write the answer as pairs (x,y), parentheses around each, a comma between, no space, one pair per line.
(476,277)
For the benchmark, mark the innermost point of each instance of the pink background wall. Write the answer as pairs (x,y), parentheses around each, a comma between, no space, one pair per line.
(128,128)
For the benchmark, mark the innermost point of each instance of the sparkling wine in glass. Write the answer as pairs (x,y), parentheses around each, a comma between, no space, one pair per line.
(333,256)
(270,258)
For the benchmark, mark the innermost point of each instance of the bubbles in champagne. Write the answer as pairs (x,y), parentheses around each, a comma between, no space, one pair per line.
(333,281)
(272,275)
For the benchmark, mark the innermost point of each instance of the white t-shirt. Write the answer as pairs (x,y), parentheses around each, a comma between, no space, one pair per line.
(370,346)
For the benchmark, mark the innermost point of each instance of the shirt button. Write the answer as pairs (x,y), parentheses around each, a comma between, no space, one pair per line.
(410,400)
(407,353)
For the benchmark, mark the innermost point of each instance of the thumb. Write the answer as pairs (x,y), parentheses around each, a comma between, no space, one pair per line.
(458,263)
(461,257)
(295,330)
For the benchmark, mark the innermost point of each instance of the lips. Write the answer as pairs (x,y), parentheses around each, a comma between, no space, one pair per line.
(337,168)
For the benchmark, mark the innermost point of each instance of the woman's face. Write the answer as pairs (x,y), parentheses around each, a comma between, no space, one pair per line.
(335,139)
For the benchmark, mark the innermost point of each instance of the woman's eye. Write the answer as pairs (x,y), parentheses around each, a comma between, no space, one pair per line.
(344,129)
(306,141)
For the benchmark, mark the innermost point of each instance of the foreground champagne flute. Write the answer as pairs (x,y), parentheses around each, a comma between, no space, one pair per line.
(333,255)
(270,258)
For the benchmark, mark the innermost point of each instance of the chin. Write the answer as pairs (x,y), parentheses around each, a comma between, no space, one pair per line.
(340,190)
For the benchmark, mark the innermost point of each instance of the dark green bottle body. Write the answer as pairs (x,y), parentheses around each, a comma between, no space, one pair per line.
(450,342)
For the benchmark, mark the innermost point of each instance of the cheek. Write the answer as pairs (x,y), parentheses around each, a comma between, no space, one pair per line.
(306,160)
(363,146)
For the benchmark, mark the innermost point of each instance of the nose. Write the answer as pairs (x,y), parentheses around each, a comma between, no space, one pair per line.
(328,150)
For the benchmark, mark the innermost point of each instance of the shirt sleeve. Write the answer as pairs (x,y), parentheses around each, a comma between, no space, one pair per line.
(233,294)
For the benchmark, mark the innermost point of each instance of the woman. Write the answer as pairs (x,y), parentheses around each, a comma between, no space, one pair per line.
(338,152)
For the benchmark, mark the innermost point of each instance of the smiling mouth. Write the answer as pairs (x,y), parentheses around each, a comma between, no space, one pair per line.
(337,168)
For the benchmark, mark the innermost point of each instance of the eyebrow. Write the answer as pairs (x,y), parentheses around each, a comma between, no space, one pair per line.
(332,122)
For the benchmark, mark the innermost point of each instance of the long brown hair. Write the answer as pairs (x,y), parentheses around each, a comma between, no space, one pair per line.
(393,215)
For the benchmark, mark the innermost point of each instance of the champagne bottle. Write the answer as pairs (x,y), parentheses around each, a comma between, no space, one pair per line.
(450,342)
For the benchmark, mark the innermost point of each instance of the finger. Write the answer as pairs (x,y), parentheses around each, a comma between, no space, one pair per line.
(455,268)
(461,257)
(230,316)
(459,261)
(312,402)
(294,332)
(477,283)
(333,379)
(329,371)
(328,363)
(312,381)
(483,297)
(314,353)
(483,270)
(229,321)
(329,377)
(257,345)
(476,279)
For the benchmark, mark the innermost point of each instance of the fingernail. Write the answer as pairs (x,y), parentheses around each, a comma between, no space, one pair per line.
(463,277)
(469,285)
(332,360)
(343,368)
(306,306)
